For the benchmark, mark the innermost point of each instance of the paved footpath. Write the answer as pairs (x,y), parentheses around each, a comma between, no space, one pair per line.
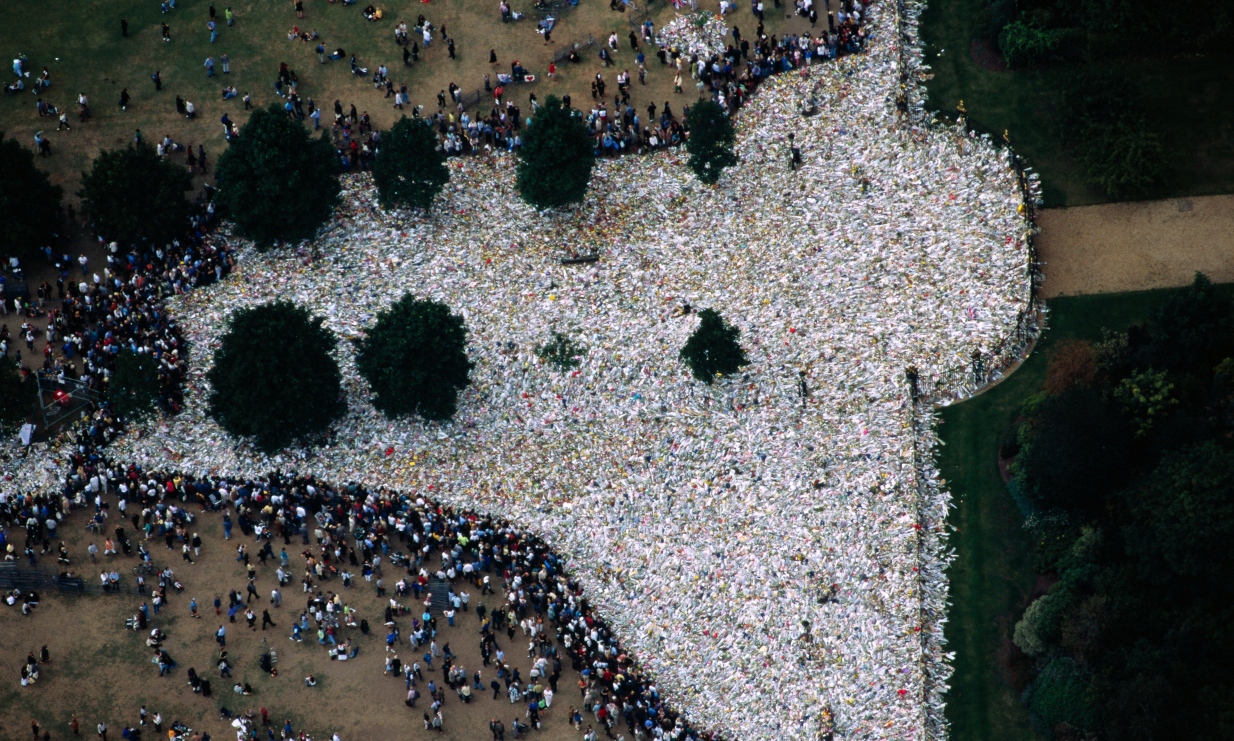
(1133,246)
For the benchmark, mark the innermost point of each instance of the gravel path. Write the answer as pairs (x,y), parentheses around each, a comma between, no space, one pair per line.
(1134,246)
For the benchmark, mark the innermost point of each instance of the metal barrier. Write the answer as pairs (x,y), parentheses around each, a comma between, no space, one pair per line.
(586,42)
(16,576)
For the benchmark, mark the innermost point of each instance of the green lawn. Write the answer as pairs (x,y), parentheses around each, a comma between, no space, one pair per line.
(992,577)
(1188,97)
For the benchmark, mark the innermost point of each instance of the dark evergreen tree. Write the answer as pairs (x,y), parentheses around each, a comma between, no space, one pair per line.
(16,398)
(133,195)
(713,349)
(28,202)
(556,158)
(415,360)
(274,377)
(277,183)
(711,141)
(133,388)
(410,168)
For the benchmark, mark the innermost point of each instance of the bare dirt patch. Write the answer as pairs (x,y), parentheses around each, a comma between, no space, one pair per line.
(1135,246)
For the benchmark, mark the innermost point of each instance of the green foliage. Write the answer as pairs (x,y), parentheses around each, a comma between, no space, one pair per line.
(1002,14)
(275,181)
(1077,452)
(1060,695)
(1145,398)
(1053,534)
(133,387)
(1184,515)
(415,360)
(28,202)
(710,143)
(16,398)
(1116,145)
(274,377)
(1026,44)
(132,195)
(713,349)
(555,161)
(1193,329)
(410,169)
(561,352)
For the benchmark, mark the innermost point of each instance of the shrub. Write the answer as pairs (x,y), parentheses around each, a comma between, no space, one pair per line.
(410,169)
(713,349)
(555,161)
(274,377)
(561,352)
(415,360)
(1025,44)
(1071,364)
(1060,695)
(275,181)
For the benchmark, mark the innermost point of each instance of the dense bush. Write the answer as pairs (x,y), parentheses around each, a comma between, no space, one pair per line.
(1027,44)
(29,203)
(713,350)
(415,360)
(274,377)
(410,169)
(1113,139)
(275,181)
(1137,626)
(132,194)
(555,161)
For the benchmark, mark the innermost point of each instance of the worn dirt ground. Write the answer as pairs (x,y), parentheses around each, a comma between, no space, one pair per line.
(101,670)
(1135,246)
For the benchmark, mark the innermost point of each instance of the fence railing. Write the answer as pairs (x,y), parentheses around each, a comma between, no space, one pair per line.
(18,576)
(585,42)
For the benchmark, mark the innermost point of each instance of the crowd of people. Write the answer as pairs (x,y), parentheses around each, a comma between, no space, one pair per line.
(768,549)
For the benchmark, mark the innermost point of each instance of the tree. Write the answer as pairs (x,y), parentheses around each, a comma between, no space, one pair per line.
(274,376)
(16,398)
(133,195)
(1076,454)
(561,352)
(415,360)
(133,387)
(276,182)
(410,168)
(1183,516)
(28,201)
(555,161)
(1071,364)
(711,141)
(713,349)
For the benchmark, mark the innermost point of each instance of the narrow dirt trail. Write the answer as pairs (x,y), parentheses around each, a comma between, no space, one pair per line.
(1134,246)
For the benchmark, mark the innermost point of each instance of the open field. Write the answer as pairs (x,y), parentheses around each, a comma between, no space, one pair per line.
(81,45)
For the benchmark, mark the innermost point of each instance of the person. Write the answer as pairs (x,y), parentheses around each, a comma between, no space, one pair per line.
(124,28)
(158,80)
(209,65)
(124,99)
(166,32)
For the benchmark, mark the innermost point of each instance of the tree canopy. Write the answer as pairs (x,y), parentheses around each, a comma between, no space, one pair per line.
(410,168)
(131,195)
(274,377)
(415,359)
(275,181)
(1132,638)
(28,201)
(133,387)
(711,141)
(713,349)
(556,158)
(16,398)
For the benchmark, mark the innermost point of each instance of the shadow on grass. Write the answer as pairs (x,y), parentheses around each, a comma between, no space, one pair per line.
(991,579)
